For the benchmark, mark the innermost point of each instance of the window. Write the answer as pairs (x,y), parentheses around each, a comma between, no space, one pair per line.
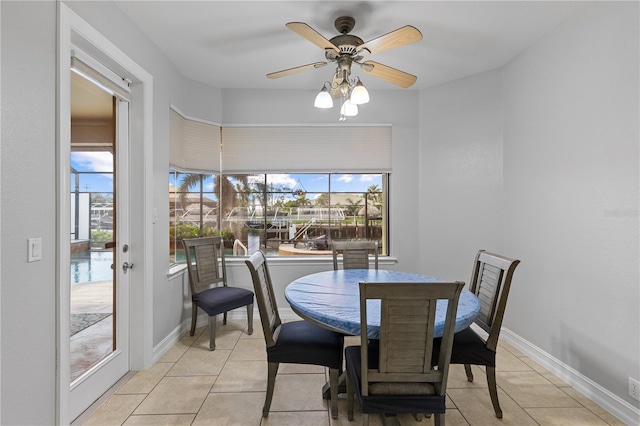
(288,214)
(193,209)
(282,189)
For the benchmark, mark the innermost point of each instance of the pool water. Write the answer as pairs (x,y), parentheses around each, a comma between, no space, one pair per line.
(92,266)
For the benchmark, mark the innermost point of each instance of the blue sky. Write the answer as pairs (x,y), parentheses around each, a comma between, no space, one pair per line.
(309,182)
(93,161)
(101,179)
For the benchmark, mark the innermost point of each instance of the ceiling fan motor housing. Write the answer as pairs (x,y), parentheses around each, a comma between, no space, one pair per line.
(344,24)
(347,43)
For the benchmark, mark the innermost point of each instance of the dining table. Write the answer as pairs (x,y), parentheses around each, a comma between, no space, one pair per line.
(331,299)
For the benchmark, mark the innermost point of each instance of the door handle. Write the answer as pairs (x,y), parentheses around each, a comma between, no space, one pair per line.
(126,265)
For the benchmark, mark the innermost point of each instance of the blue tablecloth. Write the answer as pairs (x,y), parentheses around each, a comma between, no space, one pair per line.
(332,299)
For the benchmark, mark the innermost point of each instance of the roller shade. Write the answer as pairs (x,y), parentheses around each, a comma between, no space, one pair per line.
(286,149)
(194,145)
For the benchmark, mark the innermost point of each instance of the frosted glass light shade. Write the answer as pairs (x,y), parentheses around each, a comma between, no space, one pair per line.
(323,99)
(360,94)
(349,109)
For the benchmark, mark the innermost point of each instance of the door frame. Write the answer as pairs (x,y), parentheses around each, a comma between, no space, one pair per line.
(72,29)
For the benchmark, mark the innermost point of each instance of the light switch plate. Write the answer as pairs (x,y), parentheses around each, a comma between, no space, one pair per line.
(34,249)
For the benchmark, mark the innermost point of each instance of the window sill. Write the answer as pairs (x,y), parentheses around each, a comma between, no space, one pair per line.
(305,260)
(175,270)
(179,269)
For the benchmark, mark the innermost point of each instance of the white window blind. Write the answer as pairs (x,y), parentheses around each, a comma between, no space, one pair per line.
(282,149)
(194,146)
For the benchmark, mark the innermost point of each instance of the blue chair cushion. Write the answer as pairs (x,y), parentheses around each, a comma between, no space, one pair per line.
(300,342)
(387,403)
(217,300)
(468,348)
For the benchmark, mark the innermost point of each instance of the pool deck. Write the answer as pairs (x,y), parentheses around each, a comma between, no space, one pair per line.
(96,341)
(92,297)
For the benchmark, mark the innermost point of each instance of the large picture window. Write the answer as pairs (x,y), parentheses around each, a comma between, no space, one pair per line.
(281,214)
(286,190)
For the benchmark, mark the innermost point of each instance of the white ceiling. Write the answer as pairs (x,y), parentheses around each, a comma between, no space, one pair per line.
(234,44)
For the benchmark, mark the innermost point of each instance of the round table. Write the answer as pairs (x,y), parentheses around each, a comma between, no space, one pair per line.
(332,299)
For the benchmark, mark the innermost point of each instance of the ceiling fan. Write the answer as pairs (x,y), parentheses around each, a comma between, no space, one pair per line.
(346,49)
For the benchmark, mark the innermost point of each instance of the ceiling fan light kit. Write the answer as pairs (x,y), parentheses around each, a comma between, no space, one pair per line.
(324,99)
(359,94)
(346,49)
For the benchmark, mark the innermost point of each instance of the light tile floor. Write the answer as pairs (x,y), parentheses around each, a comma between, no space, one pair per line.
(191,385)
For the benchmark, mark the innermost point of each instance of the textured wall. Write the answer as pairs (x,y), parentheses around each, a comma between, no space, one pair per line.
(571,194)
(28,311)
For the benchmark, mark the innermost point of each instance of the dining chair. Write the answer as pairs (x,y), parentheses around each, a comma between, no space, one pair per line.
(355,253)
(208,282)
(490,282)
(296,342)
(396,373)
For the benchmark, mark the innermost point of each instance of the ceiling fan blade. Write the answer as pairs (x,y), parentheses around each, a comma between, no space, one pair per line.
(295,70)
(312,35)
(400,37)
(387,73)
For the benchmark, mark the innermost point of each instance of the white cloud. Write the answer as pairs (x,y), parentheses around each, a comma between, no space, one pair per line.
(368,178)
(94,161)
(283,179)
(345,178)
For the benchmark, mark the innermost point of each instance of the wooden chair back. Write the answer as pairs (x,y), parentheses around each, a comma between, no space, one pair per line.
(491,281)
(205,263)
(355,253)
(407,321)
(265,297)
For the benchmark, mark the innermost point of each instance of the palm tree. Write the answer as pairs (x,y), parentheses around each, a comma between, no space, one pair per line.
(222,187)
(374,194)
(188,182)
(322,200)
(353,208)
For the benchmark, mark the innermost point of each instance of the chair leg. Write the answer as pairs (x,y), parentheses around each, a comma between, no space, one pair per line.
(390,420)
(271,382)
(350,397)
(250,319)
(493,390)
(212,332)
(438,419)
(224,318)
(333,382)
(467,369)
(194,318)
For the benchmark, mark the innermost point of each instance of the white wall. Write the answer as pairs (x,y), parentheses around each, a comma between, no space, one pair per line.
(539,161)
(27,169)
(571,194)
(461,180)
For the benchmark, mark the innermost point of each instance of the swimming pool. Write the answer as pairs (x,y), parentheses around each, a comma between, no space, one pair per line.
(91,266)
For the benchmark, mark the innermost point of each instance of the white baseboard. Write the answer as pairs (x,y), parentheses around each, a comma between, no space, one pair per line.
(162,347)
(166,343)
(592,390)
